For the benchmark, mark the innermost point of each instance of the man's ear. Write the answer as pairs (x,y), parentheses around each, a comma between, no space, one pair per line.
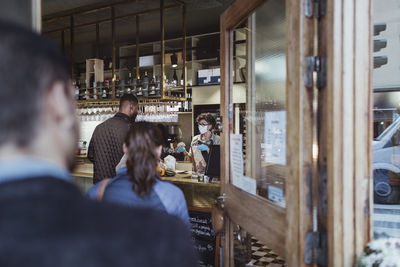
(58,105)
(124,148)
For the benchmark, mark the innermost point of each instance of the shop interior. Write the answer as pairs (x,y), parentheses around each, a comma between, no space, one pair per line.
(168,54)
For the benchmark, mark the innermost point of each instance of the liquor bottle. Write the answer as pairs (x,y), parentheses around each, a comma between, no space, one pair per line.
(145,81)
(182,79)
(129,85)
(175,78)
(76,85)
(116,86)
(152,87)
(104,90)
(82,91)
(189,99)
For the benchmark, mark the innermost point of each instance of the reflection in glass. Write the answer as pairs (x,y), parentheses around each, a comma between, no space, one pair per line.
(386,122)
(260,61)
(248,251)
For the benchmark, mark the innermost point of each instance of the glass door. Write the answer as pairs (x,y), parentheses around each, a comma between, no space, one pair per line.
(267,159)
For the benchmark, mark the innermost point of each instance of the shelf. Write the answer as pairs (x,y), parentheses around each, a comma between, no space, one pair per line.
(202,85)
(206,60)
(184,112)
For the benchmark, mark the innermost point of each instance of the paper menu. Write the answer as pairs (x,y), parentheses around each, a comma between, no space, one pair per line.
(275,137)
(236,157)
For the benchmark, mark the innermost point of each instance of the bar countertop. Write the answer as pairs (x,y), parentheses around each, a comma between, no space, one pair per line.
(197,194)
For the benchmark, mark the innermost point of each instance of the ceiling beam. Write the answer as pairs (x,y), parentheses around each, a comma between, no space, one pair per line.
(109,19)
(83,10)
(180,2)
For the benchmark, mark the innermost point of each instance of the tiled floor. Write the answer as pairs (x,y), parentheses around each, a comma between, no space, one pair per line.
(263,256)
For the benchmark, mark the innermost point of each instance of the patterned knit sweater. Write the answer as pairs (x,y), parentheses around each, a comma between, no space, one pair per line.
(105,148)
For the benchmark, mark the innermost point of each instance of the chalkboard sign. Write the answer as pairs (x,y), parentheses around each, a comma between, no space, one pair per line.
(205,238)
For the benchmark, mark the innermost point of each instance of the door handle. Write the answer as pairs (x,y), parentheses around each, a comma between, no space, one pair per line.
(218,213)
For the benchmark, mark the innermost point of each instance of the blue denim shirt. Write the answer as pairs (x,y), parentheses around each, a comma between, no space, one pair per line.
(164,196)
(30,167)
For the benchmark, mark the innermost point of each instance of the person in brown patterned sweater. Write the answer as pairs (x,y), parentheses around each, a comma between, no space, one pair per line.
(105,147)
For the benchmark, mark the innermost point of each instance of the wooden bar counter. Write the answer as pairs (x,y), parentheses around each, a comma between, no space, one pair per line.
(197,194)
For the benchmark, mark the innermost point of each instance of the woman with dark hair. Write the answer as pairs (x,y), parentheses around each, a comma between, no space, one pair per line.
(201,142)
(207,124)
(138,184)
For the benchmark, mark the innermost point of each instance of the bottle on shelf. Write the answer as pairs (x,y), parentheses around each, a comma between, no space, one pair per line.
(182,79)
(139,91)
(152,90)
(76,86)
(175,78)
(82,91)
(158,85)
(116,86)
(91,86)
(145,81)
(122,88)
(128,89)
(189,100)
(134,86)
(104,90)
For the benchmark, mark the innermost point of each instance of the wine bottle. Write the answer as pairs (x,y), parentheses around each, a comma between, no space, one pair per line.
(145,81)
(175,78)
(182,79)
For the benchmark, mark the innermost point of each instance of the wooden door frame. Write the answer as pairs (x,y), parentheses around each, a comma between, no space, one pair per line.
(346,128)
(283,229)
(345,132)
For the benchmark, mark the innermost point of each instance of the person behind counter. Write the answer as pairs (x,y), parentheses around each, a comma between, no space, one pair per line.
(105,147)
(45,220)
(201,142)
(138,184)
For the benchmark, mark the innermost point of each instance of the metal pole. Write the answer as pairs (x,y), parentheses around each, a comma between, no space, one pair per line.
(162,46)
(113,42)
(63,41)
(184,48)
(113,50)
(137,47)
(72,45)
(97,40)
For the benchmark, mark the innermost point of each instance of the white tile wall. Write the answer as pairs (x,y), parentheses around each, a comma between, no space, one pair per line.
(86,130)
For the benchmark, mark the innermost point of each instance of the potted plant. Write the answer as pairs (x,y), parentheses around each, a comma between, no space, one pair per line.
(381,252)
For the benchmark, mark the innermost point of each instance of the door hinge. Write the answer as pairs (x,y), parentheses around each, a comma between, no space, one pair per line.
(315,64)
(315,249)
(315,8)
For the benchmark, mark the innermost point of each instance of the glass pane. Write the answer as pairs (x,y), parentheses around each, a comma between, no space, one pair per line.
(249,251)
(386,123)
(259,124)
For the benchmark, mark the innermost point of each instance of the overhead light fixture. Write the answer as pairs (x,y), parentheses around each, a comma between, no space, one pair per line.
(174,60)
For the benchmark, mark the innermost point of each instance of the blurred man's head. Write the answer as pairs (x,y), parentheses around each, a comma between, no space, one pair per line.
(37,108)
(128,105)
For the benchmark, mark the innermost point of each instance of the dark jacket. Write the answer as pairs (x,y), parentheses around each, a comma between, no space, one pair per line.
(46,222)
(105,148)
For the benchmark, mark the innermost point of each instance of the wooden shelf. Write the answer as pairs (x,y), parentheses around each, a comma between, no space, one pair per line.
(206,60)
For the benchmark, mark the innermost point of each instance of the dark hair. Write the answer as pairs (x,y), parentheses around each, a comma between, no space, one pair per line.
(30,65)
(127,98)
(142,141)
(164,133)
(208,117)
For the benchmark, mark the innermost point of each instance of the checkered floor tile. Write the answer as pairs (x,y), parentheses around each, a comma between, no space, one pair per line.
(263,256)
